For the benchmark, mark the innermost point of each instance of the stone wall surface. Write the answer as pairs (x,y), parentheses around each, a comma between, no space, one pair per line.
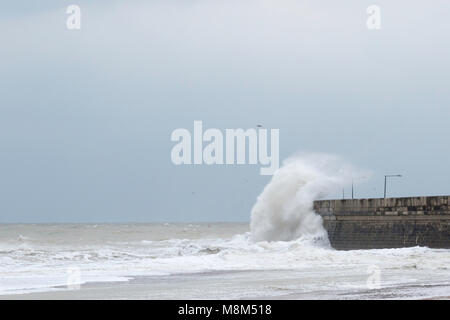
(386,223)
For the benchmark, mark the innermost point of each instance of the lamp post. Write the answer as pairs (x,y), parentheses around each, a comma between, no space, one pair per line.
(385,180)
(352,190)
(353,184)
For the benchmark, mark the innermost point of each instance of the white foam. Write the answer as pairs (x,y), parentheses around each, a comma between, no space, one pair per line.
(284,210)
(317,267)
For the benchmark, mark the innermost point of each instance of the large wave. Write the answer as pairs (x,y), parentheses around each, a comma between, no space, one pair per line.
(284,210)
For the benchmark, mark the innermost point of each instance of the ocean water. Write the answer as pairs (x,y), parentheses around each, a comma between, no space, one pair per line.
(209,261)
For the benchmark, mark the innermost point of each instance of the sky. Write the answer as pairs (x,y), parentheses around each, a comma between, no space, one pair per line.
(86,115)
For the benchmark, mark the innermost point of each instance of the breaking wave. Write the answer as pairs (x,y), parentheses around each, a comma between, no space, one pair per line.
(284,210)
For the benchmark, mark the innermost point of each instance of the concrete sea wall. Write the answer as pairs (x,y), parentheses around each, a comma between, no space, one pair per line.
(386,223)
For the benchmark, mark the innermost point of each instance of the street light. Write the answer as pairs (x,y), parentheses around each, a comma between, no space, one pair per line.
(352,190)
(353,182)
(385,179)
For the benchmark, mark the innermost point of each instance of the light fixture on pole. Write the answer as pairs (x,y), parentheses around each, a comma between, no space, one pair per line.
(353,184)
(352,190)
(385,180)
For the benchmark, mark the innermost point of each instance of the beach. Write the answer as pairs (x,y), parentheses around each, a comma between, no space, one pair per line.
(205,261)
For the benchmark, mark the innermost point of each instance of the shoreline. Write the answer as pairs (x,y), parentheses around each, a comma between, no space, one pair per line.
(139,288)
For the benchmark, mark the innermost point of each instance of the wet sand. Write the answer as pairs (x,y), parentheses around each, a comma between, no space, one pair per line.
(139,288)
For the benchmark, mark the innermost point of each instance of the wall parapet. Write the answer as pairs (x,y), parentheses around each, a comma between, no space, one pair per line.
(436,205)
(386,223)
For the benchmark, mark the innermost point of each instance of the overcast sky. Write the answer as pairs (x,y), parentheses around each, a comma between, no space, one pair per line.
(86,115)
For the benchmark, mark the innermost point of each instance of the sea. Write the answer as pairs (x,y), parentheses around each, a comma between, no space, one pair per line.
(206,261)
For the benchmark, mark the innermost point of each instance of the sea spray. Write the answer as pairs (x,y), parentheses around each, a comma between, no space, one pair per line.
(284,210)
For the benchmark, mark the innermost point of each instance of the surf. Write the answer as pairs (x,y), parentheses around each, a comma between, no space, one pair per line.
(284,209)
